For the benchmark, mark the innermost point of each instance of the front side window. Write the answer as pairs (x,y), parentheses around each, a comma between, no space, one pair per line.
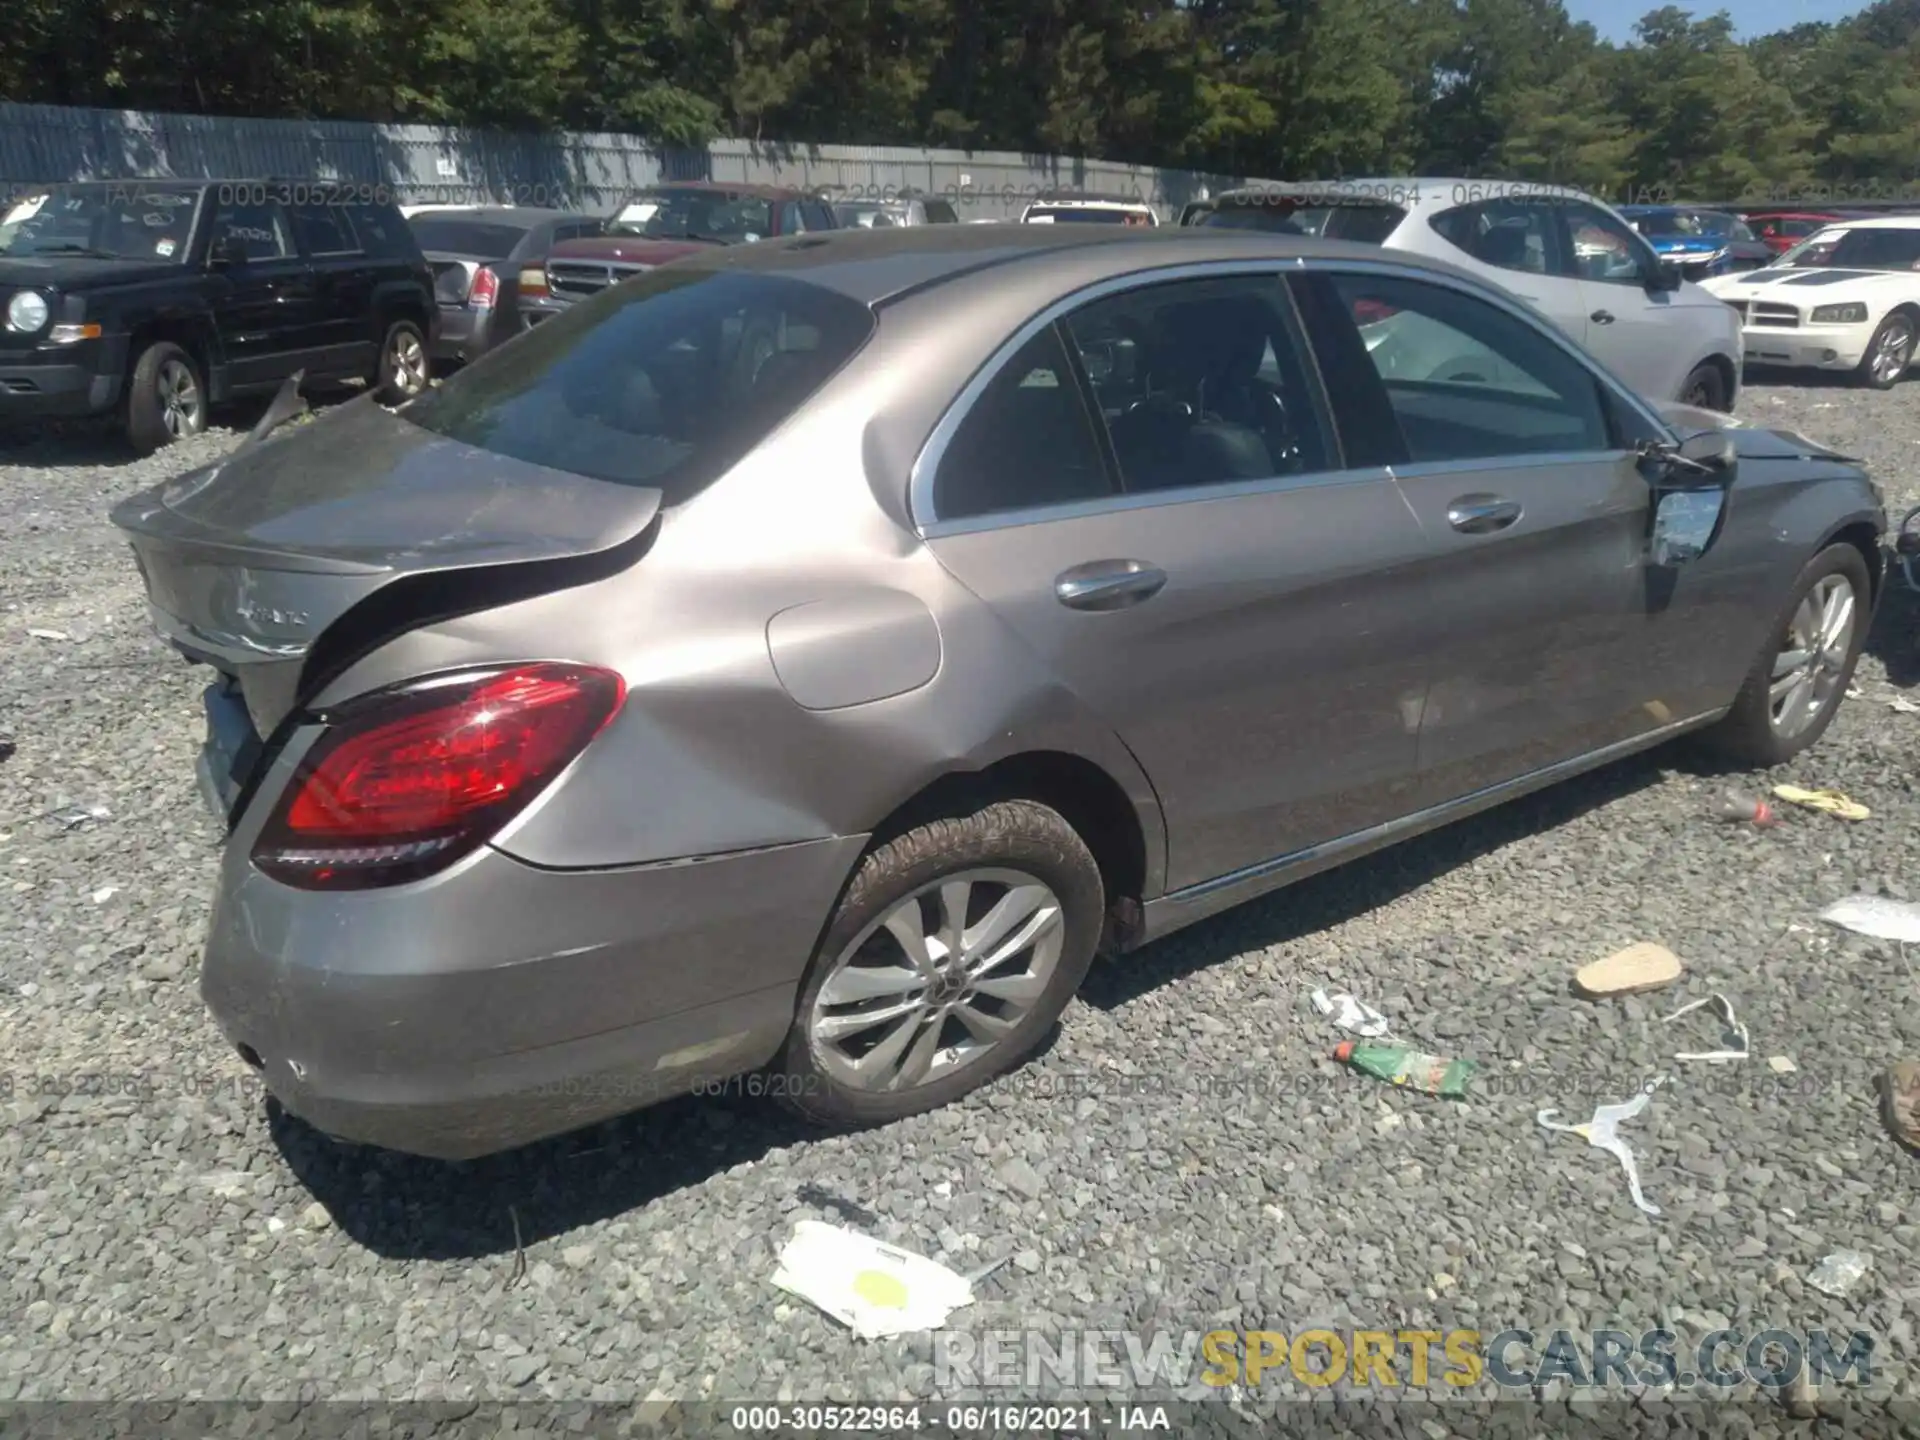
(677,213)
(939,212)
(664,381)
(1508,234)
(323,230)
(1201,382)
(111,220)
(1465,380)
(1027,442)
(1604,250)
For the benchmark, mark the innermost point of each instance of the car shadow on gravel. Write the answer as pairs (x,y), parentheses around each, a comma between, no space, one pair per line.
(1895,637)
(1336,896)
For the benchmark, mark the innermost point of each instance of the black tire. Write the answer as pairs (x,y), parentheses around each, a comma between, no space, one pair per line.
(394,382)
(159,407)
(1017,834)
(1706,387)
(1872,376)
(1747,733)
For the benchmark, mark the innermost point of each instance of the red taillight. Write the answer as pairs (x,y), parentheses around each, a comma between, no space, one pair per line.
(484,290)
(1372,312)
(420,777)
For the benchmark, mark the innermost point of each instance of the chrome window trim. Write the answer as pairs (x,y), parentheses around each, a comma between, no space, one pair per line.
(1495,464)
(928,525)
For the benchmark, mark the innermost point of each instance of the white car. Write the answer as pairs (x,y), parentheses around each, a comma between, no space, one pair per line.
(1561,251)
(1069,209)
(1845,298)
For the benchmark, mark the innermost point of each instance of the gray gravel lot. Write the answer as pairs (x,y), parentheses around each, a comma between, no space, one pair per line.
(1185,1156)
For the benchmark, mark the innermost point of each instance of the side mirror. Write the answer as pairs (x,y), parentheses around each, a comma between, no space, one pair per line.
(1709,450)
(1690,497)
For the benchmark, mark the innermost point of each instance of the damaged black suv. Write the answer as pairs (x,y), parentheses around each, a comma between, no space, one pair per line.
(152,300)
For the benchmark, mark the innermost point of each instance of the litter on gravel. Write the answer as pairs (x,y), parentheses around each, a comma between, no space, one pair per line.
(72,817)
(1351,1014)
(1839,1272)
(1876,916)
(49,635)
(1602,1133)
(873,1289)
(1900,1096)
(1734,1042)
(1631,971)
(1828,802)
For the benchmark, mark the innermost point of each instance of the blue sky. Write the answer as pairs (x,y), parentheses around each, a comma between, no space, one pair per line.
(1614,19)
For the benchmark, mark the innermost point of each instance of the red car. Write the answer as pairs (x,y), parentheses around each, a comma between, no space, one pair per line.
(1781,230)
(662,223)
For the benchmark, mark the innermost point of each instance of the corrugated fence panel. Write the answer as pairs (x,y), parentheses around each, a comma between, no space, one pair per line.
(432,164)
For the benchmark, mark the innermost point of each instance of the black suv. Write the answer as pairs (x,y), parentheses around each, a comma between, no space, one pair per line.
(155,299)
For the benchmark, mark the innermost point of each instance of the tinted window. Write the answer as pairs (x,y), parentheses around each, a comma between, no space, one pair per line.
(1510,234)
(1467,381)
(382,231)
(1027,441)
(1364,224)
(1201,383)
(1604,249)
(475,239)
(322,230)
(260,230)
(790,221)
(663,381)
(939,212)
(817,216)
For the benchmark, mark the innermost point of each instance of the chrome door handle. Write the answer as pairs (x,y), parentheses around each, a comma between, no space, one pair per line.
(1108,584)
(1481,514)
(1601,317)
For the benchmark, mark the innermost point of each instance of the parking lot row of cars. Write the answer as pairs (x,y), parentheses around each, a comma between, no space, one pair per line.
(156,300)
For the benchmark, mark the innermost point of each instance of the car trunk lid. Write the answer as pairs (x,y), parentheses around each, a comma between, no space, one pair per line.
(452,276)
(249,563)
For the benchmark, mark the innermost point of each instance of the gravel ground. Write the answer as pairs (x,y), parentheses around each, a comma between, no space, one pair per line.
(1183,1157)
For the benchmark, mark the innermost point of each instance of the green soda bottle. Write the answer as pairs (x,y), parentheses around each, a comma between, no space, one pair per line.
(1409,1069)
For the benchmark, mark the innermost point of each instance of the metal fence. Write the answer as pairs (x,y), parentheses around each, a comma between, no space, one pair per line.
(425,164)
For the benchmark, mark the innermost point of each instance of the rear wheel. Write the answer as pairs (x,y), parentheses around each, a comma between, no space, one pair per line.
(956,948)
(1797,682)
(1889,353)
(403,363)
(166,397)
(1706,388)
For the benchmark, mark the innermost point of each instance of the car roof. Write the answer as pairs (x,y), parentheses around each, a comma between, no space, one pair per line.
(1082,197)
(876,267)
(726,187)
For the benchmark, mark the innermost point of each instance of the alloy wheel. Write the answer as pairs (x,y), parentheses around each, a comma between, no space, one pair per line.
(939,981)
(181,404)
(407,362)
(1894,352)
(1812,656)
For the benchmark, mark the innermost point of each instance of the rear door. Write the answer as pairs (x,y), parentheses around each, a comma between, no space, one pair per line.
(1148,493)
(1533,517)
(343,289)
(1519,244)
(264,304)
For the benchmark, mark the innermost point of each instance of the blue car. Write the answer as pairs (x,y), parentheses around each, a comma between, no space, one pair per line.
(1701,242)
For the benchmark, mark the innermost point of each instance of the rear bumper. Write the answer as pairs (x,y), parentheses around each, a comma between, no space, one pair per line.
(1807,347)
(498,1004)
(461,334)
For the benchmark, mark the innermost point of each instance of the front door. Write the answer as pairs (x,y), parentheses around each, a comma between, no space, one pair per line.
(1631,325)
(1534,520)
(263,297)
(1149,494)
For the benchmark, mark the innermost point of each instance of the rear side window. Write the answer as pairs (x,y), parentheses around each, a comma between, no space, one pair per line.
(383,232)
(939,212)
(664,381)
(1028,441)
(322,230)
(1362,223)
(1510,234)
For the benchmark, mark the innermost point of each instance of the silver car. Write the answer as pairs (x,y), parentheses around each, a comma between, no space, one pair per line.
(890,211)
(799,660)
(1562,252)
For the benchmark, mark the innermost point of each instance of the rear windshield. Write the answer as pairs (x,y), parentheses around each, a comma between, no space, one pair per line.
(664,381)
(1366,224)
(1086,215)
(480,239)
